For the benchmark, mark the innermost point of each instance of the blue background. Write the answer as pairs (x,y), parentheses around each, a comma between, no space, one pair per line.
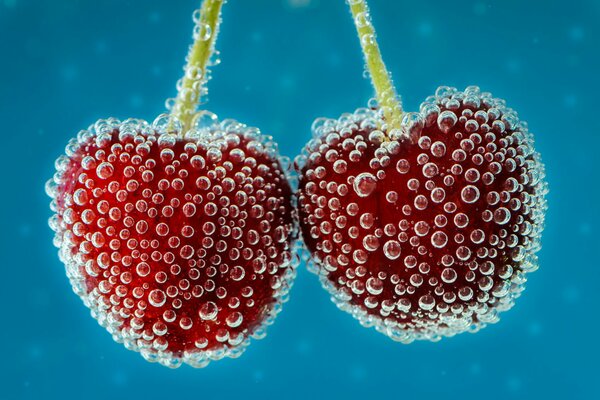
(64,64)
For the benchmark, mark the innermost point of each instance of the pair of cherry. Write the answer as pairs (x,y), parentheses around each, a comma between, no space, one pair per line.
(179,235)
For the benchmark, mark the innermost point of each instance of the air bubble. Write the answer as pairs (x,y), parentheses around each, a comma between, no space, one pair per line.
(469,194)
(430,170)
(502,216)
(364,184)
(402,166)
(439,239)
(446,121)
(208,311)
(157,298)
(105,170)
(438,149)
(392,249)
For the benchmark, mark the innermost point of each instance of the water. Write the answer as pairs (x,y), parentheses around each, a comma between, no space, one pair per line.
(284,63)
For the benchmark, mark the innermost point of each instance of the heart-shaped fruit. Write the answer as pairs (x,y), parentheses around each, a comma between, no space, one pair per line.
(427,231)
(181,248)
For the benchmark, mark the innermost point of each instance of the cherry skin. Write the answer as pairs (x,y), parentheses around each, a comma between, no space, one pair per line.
(181,248)
(427,231)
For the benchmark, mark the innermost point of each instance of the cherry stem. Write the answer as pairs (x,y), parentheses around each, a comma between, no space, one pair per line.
(384,88)
(195,75)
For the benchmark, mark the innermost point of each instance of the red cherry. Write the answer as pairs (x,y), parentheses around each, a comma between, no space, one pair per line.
(427,231)
(181,248)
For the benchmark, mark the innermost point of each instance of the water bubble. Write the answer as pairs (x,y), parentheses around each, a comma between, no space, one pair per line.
(234,319)
(143,269)
(189,209)
(402,166)
(421,228)
(208,311)
(370,243)
(374,286)
(477,236)
(472,175)
(449,275)
(502,215)
(427,302)
(392,249)
(439,239)
(438,149)
(430,170)
(461,220)
(469,194)
(186,251)
(105,170)
(446,120)
(412,125)
(157,298)
(463,253)
(364,184)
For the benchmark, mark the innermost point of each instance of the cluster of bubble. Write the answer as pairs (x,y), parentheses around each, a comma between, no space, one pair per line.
(389,103)
(429,230)
(193,85)
(183,249)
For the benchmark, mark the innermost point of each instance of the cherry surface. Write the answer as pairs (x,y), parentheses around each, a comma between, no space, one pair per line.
(181,247)
(429,230)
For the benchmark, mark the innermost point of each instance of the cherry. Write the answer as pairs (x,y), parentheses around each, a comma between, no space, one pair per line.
(177,236)
(427,228)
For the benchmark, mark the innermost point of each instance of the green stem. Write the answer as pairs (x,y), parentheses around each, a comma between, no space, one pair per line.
(195,76)
(384,88)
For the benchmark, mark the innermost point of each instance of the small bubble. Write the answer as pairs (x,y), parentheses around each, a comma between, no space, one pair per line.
(105,170)
(234,319)
(439,239)
(446,120)
(469,194)
(438,149)
(157,298)
(449,275)
(392,249)
(208,311)
(143,269)
(502,216)
(364,184)
(421,228)
(186,251)
(430,170)
(426,302)
(402,166)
